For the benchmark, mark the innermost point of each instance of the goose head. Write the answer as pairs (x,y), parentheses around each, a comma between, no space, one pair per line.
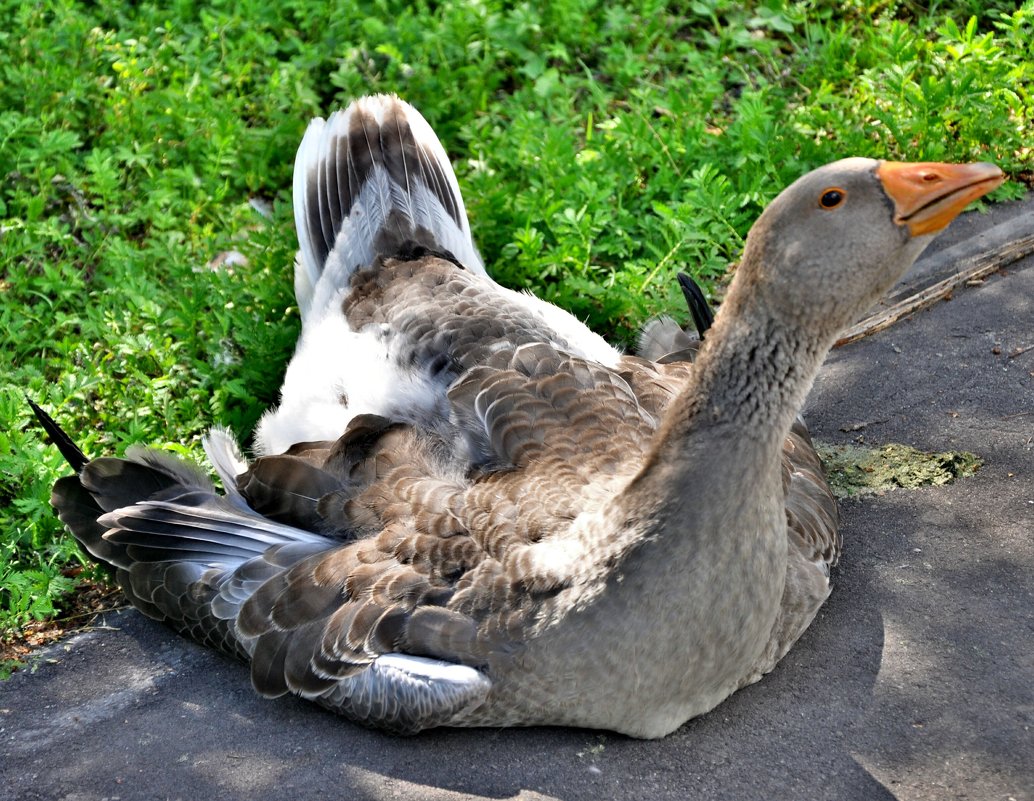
(841,235)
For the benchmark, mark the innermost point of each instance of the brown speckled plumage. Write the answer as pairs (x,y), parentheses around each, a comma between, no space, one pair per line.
(472,511)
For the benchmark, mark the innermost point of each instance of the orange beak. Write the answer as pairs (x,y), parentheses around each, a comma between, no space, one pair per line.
(929,195)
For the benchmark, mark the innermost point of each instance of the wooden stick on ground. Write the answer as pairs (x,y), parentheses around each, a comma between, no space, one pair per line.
(967,261)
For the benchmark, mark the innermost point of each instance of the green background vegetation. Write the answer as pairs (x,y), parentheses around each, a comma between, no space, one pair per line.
(601,147)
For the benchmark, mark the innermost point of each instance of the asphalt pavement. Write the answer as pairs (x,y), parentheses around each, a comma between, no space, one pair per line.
(916,680)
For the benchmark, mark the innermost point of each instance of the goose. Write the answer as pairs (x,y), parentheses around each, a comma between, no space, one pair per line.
(470,510)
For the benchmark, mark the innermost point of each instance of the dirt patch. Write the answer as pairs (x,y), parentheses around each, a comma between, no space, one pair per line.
(77,614)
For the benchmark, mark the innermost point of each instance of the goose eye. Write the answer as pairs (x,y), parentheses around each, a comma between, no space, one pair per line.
(832,198)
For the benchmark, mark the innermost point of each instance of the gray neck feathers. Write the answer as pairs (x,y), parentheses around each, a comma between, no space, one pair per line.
(751,379)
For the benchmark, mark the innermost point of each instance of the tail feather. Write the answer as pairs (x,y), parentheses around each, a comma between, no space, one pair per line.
(661,336)
(181,553)
(79,510)
(367,180)
(225,456)
(73,455)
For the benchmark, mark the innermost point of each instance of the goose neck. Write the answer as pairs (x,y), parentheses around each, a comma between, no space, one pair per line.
(753,376)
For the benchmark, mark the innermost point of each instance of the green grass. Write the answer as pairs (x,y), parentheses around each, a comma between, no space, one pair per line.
(601,147)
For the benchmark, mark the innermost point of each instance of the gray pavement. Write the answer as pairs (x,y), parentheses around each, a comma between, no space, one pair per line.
(916,680)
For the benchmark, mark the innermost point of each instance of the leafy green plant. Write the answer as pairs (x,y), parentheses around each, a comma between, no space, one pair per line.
(31,593)
(601,147)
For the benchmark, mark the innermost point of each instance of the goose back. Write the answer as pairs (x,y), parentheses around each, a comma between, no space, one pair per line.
(373,188)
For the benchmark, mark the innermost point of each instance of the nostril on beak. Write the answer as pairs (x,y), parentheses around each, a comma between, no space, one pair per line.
(930,177)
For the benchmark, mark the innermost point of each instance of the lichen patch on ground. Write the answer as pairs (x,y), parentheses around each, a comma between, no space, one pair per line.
(856,470)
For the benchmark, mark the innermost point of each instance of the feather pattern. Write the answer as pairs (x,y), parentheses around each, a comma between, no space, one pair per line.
(373,187)
(472,511)
(367,180)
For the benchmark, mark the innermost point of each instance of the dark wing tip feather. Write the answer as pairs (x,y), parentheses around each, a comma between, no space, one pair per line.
(314,222)
(73,455)
(703,317)
(412,250)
